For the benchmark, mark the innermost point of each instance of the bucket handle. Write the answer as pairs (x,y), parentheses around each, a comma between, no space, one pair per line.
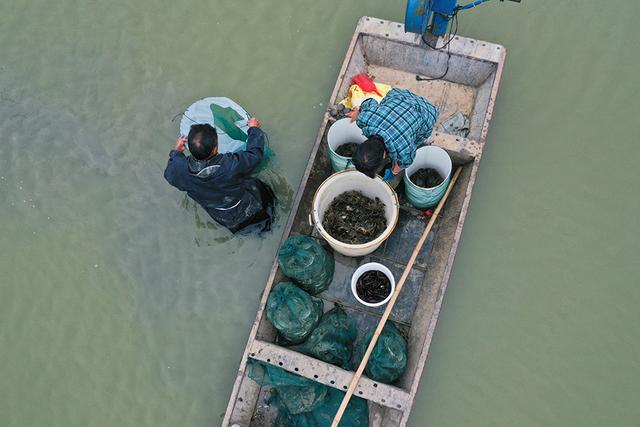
(311,221)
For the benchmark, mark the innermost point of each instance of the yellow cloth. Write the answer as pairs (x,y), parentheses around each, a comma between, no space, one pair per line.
(357,95)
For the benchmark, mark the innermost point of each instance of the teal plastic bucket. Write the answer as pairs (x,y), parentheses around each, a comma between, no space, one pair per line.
(342,132)
(428,157)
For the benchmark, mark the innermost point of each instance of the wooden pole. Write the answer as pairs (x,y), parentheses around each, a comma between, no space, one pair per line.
(392,301)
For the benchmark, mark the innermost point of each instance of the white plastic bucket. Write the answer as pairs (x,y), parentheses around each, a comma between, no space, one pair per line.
(428,157)
(348,180)
(369,267)
(342,132)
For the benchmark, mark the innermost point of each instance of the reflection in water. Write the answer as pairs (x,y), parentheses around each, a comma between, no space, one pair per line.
(284,193)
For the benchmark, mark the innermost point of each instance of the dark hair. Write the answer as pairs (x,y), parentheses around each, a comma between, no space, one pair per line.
(369,157)
(202,140)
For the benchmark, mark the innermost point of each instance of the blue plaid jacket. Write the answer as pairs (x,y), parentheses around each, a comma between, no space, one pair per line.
(402,119)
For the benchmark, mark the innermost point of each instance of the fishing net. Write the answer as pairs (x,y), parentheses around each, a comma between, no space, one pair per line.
(296,394)
(305,261)
(293,312)
(305,403)
(389,357)
(355,415)
(230,121)
(332,341)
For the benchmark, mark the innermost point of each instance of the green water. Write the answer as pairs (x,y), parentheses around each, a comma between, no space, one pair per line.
(121,304)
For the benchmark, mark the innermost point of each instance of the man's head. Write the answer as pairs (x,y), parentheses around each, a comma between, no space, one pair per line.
(203,141)
(369,158)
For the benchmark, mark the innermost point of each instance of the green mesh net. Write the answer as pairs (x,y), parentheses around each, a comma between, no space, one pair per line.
(230,121)
(389,357)
(293,312)
(356,414)
(305,403)
(295,394)
(307,263)
(332,340)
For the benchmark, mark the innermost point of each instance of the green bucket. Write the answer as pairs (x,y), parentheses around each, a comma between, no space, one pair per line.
(341,132)
(428,157)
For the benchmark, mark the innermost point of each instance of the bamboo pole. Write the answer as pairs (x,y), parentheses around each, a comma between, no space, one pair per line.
(391,303)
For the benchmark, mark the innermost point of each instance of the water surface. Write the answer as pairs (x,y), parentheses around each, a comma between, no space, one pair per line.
(122,304)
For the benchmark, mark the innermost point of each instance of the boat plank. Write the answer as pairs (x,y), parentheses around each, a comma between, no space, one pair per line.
(330,375)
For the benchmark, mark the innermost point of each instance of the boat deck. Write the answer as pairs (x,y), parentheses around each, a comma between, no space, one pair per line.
(418,301)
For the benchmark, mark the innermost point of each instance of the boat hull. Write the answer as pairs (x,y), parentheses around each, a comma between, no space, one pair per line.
(470,72)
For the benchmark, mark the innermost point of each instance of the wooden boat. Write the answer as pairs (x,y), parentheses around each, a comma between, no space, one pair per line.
(471,71)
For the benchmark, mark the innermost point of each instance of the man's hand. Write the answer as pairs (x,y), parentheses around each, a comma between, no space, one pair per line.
(254,123)
(354,114)
(180,144)
(388,175)
(396,168)
(391,173)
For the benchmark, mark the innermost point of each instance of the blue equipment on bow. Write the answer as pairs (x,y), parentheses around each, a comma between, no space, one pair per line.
(434,15)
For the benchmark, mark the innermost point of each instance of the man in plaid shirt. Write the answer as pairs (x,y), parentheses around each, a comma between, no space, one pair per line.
(394,127)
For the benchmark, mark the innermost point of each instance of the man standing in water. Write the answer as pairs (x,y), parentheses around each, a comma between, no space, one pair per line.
(220,183)
(395,128)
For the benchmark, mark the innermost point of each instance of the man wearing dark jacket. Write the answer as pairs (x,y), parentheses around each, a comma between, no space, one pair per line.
(220,183)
